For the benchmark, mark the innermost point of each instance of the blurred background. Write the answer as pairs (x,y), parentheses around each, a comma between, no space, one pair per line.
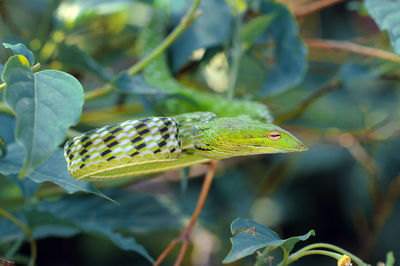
(326,71)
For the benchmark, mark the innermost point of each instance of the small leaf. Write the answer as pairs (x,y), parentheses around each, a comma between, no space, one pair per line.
(20,49)
(249,236)
(45,104)
(53,170)
(390,259)
(386,14)
(254,28)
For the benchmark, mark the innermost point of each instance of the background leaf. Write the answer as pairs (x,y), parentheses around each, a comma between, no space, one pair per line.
(386,14)
(53,170)
(203,33)
(290,53)
(46,104)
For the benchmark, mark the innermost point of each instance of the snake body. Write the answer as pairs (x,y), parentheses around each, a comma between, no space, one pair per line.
(156,144)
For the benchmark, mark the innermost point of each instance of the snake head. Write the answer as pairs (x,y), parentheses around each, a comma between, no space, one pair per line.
(227,137)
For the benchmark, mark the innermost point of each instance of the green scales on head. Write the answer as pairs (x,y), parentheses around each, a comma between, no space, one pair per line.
(156,144)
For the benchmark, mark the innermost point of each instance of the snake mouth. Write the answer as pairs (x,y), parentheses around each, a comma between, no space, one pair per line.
(262,149)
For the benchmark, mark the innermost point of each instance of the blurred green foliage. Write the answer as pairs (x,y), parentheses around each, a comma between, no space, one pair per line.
(343,102)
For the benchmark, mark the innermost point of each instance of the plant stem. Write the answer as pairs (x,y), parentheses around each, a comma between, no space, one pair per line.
(332,247)
(334,255)
(184,237)
(262,257)
(310,100)
(27,232)
(185,22)
(236,53)
(353,47)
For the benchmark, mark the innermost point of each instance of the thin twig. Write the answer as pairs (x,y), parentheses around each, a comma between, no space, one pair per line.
(27,232)
(185,22)
(353,47)
(301,107)
(184,237)
(314,7)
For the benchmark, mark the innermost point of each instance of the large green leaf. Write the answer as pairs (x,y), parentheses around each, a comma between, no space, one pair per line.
(250,236)
(53,170)
(22,50)
(254,28)
(46,104)
(386,14)
(136,213)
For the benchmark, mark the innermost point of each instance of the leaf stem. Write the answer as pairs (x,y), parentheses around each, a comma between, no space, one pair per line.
(185,22)
(27,232)
(332,247)
(331,254)
(263,256)
(184,237)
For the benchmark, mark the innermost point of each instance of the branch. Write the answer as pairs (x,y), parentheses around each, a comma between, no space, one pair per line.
(27,232)
(184,237)
(353,47)
(314,7)
(310,100)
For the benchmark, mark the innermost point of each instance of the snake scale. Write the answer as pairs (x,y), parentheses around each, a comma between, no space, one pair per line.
(156,144)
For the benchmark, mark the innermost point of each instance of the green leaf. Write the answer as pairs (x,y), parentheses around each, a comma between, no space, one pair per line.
(254,28)
(205,32)
(250,236)
(46,104)
(53,170)
(136,213)
(386,14)
(290,53)
(21,49)
(73,56)
(135,85)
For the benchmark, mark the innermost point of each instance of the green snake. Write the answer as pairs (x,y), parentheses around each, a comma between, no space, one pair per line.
(157,144)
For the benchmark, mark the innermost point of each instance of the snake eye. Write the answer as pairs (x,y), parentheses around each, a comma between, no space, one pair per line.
(274,135)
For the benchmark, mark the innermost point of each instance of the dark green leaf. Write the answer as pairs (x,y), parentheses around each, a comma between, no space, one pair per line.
(74,57)
(22,50)
(53,170)
(46,104)
(351,74)
(136,213)
(254,28)
(1,68)
(290,53)
(386,14)
(135,85)
(206,31)
(250,236)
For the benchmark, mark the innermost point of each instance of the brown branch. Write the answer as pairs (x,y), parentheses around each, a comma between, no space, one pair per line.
(310,100)
(353,47)
(184,237)
(314,7)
